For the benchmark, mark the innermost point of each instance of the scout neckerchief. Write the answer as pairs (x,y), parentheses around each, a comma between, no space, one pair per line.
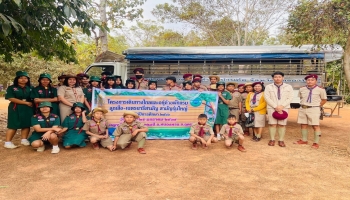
(138,87)
(98,125)
(201,131)
(309,98)
(278,91)
(47,119)
(130,128)
(231,126)
(254,97)
(77,117)
(74,89)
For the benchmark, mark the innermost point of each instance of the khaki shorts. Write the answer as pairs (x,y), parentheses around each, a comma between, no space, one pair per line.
(259,120)
(275,121)
(206,138)
(235,112)
(125,139)
(104,142)
(310,116)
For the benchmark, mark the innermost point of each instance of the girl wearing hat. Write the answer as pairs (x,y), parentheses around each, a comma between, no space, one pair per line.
(73,124)
(110,83)
(255,103)
(68,94)
(19,110)
(45,92)
(223,111)
(93,83)
(97,128)
(130,84)
(45,125)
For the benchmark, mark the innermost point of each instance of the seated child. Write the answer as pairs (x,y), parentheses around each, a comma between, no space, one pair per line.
(97,128)
(232,131)
(130,130)
(45,126)
(202,132)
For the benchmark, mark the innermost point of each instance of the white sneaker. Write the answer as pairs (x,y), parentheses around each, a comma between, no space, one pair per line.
(218,137)
(10,146)
(55,150)
(25,143)
(41,149)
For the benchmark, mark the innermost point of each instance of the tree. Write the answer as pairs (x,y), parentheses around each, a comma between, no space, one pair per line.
(227,22)
(39,26)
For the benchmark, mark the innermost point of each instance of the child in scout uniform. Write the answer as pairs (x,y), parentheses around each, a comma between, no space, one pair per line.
(130,130)
(171,84)
(45,92)
(235,105)
(103,78)
(140,82)
(97,128)
(119,82)
(312,98)
(187,85)
(110,82)
(94,83)
(222,111)
(73,124)
(213,80)
(187,77)
(130,84)
(256,103)
(20,109)
(45,125)
(201,132)
(242,117)
(231,132)
(152,85)
(278,96)
(196,85)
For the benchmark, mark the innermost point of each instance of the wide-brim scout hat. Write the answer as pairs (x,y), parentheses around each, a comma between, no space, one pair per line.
(197,79)
(131,113)
(171,78)
(280,116)
(45,104)
(256,83)
(68,76)
(138,70)
(22,73)
(214,76)
(61,76)
(78,104)
(220,83)
(99,109)
(311,76)
(94,78)
(45,75)
(232,83)
(248,84)
(186,75)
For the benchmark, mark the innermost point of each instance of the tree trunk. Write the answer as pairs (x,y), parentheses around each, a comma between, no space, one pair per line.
(103,33)
(347,71)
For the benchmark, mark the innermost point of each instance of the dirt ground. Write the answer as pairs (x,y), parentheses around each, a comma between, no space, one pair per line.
(171,170)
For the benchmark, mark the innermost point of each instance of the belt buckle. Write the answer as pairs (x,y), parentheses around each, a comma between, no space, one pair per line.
(76,128)
(304,107)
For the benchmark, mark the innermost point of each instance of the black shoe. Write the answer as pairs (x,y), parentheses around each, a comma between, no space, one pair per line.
(257,139)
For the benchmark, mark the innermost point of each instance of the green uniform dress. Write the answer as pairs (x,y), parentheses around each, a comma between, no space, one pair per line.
(223,111)
(19,115)
(49,122)
(88,95)
(75,135)
(41,92)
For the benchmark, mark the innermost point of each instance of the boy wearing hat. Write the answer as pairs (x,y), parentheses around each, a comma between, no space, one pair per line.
(152,85)
(130,130)
(140,82)
(201,132)
(45,125)
(97,128)
(171,84)
(93,83)
(187,77)
(45,92)
(196,85)
(232,131)
(197,76)
(235,105)
(278,96)
(213,80)
(312,98)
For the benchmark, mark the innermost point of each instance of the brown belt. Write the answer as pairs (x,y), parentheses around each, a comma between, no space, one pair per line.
(233,108)
(304,107)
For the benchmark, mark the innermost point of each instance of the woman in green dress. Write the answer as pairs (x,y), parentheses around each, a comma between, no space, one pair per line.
(20,109)
(223,111)
(45,92)
(73,124)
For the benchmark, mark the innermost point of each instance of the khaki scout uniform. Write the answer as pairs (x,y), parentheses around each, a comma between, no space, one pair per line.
(233,106)
(99,129)
(141,84)
(201,87)
(236,130)
(174,88)
(243,118)
(309,112)
(271,98)
(124,132)
(208,131)
(72,95)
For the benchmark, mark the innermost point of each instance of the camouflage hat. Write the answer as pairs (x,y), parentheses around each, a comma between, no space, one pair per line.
(45,104)
(22,73)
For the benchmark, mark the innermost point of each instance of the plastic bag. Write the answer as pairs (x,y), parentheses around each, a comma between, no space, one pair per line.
(250,120)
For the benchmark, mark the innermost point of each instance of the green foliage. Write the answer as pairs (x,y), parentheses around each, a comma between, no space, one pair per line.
(38,25)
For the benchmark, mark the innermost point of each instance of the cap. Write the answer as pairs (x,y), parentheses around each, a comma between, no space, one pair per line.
(78,104)
(256,83)
(138,70)
(215,76)
(220,83)
(21,73)
(45,104)
(171,78)
(131,113)
(186,75)
(197,75)
(280,116)
(197,79)
(311,76)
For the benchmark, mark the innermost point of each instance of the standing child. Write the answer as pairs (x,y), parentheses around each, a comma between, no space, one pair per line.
(233,131)
(94,83)
(235,105)
(201,132)
(45,125)
(223,111)
(130,130)
(97,128)
(152,85)
(243,118)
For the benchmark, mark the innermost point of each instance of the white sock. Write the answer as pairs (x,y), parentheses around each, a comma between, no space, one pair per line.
(24,140)
(8,142)
(55,146)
